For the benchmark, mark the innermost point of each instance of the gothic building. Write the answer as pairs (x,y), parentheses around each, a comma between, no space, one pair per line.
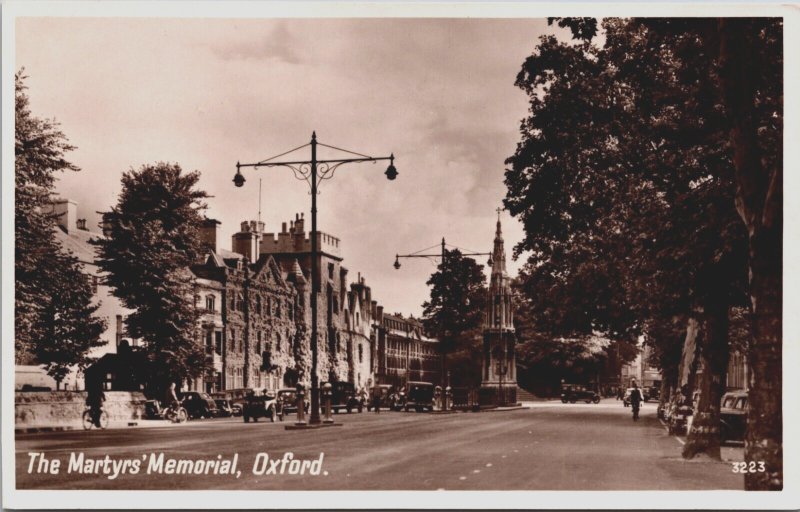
(499,373)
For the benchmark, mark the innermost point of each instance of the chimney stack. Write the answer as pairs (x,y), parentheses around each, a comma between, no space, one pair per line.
(66,212)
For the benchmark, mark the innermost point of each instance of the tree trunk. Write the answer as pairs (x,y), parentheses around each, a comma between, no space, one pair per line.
(714,354)
(759,201)
(688,365)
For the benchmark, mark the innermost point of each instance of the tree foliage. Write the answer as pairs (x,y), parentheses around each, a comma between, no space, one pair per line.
(634,172)
(454,313)
(153,239)
(53,316)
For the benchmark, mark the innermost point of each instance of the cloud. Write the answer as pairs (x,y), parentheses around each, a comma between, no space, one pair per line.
(278,44)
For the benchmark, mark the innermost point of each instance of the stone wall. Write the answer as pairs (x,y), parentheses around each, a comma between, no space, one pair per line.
(64,408)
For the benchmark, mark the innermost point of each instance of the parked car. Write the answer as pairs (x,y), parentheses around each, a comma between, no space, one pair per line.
(224,409)
(654,393)
(260,404)
(198,405)
(236,397)
(387,396)
(573,392)
(343,396)
(419,397)
(286,399)
(733,416)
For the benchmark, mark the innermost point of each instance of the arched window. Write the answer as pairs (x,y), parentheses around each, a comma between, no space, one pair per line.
(278,308)
(258,304)
(240,302)
(210,302)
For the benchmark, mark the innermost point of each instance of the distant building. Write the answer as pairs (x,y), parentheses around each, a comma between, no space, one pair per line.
(403,352)
(74,236)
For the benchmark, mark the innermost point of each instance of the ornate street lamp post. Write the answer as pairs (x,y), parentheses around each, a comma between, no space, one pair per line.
(313,172)
(442,256)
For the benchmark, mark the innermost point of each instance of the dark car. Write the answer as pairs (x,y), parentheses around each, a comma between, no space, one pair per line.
(419,396)
(287,402)
(224,409)
(260,404)
(343,396)
(733,416)
(386,397)
(654,393)
(573,392)
(198,405)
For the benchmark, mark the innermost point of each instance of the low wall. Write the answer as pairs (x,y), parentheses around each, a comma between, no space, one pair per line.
(65,408)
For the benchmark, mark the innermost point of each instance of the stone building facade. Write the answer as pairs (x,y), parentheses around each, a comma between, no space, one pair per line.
(403,352)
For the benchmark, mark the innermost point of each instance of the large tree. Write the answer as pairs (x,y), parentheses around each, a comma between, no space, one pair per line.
(153,238)
(454,313)
(623,182)
(53,315)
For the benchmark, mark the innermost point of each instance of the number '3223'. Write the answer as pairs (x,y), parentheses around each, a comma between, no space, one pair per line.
(749,467)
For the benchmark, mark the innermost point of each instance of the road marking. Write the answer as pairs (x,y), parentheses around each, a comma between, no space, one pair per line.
(503,457)
(476,470)
(440,489)
(680,440)
(462,478)
(516,451)
(325,473)
(488,464)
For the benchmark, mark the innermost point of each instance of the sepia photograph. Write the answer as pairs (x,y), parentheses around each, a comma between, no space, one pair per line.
(339,247)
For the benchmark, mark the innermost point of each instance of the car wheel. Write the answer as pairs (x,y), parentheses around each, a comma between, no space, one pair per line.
(563,400)
(349,409)
(246,418)
(406,408)
(572,400)
(596,400)
(588,400)
(360,408)
(255,419)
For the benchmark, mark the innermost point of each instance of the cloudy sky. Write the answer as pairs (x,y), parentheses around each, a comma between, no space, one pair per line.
(207,93)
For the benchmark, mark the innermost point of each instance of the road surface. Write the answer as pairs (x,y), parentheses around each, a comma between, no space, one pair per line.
(550,446)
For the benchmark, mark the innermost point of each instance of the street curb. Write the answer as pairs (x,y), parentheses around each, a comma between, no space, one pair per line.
(37,430)
(506,409)
(312,427)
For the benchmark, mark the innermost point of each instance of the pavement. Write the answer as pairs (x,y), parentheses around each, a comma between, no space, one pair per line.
(543,446)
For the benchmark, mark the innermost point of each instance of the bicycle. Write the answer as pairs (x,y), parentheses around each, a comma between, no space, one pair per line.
(92,418)
(176,414)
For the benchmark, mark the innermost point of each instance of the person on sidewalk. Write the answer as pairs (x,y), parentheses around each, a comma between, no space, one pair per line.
(636,400)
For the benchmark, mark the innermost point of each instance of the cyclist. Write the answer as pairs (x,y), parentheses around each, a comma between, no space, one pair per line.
(94,401)
(172,398)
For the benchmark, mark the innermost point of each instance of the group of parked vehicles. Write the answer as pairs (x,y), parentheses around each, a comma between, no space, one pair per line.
(678,412)
(253,404)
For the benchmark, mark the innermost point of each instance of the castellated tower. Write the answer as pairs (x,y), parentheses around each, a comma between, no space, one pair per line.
(499,372)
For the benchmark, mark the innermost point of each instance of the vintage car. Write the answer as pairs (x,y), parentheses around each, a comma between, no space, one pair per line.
(287,402)
(198,405)
(733,416)
(260,404)
(343,396)
(419,396)
(385,394)
(573,392)
(224,409)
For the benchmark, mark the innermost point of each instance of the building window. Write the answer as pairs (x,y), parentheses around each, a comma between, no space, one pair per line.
(360,353)
(278,306)
(258,304)
(233,340)
(218,342)
(240,302)
(258,342)
(330,270)
(358,318)
(269,306)
(210,300)
(233,303)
